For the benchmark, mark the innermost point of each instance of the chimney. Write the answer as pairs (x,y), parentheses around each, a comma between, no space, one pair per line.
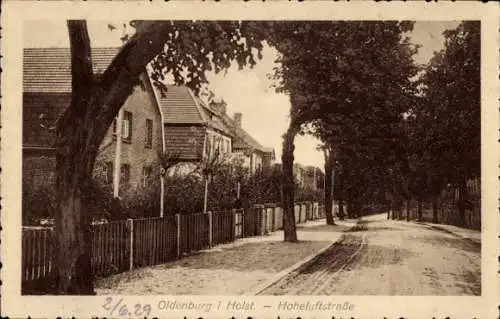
(237,119)
(220,107)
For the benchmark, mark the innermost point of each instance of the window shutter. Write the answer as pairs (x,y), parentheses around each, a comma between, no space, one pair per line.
(127,126)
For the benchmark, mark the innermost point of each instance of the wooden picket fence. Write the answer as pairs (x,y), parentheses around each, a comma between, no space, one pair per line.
(124,245)
(155,241)
(223,227)
(110,247)
(38,265)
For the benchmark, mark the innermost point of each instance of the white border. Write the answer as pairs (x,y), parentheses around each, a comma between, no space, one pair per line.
(14,13)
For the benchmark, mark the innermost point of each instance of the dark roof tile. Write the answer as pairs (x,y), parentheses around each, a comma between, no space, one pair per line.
(179,106)
(48,70)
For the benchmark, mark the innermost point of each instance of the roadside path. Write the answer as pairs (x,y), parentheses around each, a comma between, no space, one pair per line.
(236,268)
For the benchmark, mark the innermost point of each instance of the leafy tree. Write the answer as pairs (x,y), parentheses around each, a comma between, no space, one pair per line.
(184,49)
(355,88)
(325,69)
(449,117)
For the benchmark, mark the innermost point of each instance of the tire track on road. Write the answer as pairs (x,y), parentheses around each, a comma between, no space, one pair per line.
(315,277)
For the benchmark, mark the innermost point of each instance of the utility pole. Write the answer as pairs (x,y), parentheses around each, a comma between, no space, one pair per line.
(314,179)
(118,151)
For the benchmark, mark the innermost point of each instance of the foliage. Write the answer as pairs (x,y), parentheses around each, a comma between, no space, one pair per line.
(185,49)
(448,121)
(38,202)
(369,67)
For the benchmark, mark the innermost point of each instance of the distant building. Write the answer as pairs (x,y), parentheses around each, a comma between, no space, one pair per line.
(254,155)
(191,127)
(313,177)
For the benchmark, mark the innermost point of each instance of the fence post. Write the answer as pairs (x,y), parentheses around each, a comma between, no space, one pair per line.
(178,223)
(274,218)
(210,229)
(233,224)
(130,225)
(306,211)
(243,223)
(258,219)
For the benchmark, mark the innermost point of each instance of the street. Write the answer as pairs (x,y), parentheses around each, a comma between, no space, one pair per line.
(385,257)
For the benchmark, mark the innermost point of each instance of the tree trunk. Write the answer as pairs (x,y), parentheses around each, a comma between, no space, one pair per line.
(435,209)
(407,210)
(341,209)
(80,131)
(74,273)
(419,209)
(338,191)
(329,187)
(289,228)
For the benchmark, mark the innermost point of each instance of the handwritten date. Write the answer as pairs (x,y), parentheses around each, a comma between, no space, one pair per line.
(120,308)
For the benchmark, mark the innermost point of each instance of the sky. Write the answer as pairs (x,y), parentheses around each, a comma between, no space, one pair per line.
(265,113)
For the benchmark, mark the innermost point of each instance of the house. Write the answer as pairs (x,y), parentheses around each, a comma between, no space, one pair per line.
(193,129)
(313,178)
(299,174)
(47,93)
(246,149)
(152,121)
(254,155)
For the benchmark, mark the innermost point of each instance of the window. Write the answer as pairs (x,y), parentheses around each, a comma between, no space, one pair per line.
(108,171)
(149,133)
(147,171)
(127,126)
(214,145)
(125,174)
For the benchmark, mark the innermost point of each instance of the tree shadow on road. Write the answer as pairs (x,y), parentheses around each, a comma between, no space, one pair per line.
(453,242)
(271,256)
(324,228)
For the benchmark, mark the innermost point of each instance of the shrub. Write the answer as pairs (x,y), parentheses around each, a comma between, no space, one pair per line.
(38,203)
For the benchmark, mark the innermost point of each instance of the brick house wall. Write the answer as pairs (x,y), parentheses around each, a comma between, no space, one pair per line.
(40,111)
(39,168)
(185,141)
(135,152)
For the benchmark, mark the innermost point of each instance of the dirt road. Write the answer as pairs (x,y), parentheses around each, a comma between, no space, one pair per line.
(385,257)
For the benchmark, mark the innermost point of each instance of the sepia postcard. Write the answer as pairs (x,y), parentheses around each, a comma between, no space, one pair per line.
(279,159)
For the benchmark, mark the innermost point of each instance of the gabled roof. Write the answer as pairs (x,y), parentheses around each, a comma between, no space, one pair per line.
(48,70)
(243,140)
(180,106)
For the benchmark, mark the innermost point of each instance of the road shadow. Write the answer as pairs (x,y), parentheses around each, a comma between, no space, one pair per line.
(324,228)
(452,242)
(271,256)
